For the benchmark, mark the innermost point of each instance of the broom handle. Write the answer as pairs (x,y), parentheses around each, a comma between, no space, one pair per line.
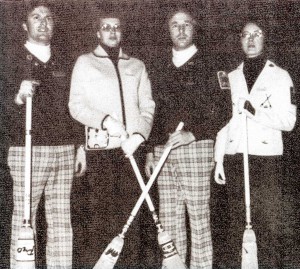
(149,184)
(246,173)
(141,182)
(27,190)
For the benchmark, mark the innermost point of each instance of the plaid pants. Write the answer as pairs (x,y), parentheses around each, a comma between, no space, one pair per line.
(184,183)
(52,173)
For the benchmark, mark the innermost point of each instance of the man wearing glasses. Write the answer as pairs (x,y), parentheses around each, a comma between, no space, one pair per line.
(186,90)
(111,96)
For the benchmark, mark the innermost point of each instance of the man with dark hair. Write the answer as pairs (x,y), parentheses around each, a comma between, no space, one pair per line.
(186,90)
(111,96)
(37,70)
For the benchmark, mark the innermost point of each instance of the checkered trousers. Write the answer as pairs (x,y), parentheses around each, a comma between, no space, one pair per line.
(52,173)
(184,182)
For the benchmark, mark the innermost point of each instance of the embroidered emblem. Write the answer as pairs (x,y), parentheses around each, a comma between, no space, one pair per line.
(223,80)
(29,57)
(266,103)
(58,74)
(261,89)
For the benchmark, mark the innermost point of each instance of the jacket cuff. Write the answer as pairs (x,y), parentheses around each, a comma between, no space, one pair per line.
(102,122)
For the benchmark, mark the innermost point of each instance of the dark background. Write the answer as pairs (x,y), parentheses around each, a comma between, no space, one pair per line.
(146,37)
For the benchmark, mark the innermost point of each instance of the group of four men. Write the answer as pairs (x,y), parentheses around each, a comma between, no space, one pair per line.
(110,99)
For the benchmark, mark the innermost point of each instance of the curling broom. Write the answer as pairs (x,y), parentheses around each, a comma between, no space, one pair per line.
(170,254)
(249,249)
(25,253)
(112,252)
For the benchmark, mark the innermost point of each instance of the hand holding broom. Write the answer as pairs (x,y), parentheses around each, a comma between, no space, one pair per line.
(25,253)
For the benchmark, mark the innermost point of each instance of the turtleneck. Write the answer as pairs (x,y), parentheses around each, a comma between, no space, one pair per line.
(252,69)
(43,53)
(180,57)
(112,52)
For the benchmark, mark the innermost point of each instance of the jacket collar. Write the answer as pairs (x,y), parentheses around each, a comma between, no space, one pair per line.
(101,53)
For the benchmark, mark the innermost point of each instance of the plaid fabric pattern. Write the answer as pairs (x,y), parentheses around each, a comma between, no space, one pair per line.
(52,172)
(184,182)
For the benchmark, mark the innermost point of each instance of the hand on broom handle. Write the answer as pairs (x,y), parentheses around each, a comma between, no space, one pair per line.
(25,253)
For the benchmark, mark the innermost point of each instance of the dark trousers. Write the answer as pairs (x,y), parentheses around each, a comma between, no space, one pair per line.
(105,198)
(266,209)
(6,207)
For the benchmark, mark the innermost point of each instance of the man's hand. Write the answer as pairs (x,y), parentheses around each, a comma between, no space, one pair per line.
(150,164)
(131,144)
(80,162)
(27,88)
(180,138)
(114,127)
(219,173)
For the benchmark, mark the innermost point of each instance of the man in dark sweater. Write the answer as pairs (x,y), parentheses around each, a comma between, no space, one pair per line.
(185,88)
(36,70)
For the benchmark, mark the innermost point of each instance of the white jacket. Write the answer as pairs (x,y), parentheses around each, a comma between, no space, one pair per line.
(95,93)
(271,98)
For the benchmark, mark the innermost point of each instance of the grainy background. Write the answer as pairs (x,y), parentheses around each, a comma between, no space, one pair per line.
(146,37)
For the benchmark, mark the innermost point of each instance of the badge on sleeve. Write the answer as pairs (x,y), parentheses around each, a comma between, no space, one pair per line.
(223,80)
(293,95)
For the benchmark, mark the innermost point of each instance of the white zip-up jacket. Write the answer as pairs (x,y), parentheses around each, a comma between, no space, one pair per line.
(271,98)
(96,90)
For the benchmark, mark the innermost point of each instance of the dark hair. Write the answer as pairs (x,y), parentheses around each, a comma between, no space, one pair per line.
(30,5)
(181,10)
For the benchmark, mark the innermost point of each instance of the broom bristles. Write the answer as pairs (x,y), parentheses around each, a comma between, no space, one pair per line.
(111,254)
(249,251)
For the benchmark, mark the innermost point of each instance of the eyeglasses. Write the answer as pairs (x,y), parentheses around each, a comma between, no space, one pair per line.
(111,28)
(256,34)
(184,26)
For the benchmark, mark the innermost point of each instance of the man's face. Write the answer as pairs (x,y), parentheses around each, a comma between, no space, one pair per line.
(39,26)
(252,39)
(109,32)
(181,27)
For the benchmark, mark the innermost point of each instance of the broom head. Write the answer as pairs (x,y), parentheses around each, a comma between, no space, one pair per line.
(25,254)
(249,251)
(111,254)
(171,257)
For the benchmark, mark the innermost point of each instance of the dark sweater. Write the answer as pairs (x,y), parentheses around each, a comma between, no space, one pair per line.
(191,94)
(252,68)
(51,121)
